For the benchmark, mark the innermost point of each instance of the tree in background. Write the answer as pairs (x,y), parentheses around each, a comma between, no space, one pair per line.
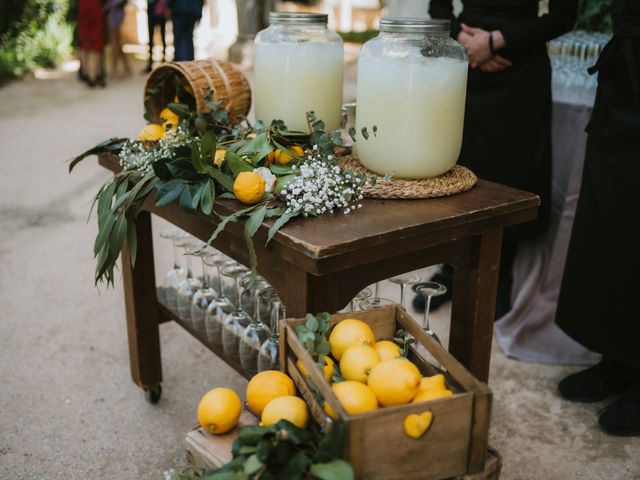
(33,33)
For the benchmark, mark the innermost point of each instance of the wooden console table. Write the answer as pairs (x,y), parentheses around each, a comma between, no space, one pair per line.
(319,264)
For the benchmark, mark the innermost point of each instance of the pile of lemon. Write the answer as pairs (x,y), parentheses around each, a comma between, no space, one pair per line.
(154,132)
(271,396)
(375,373)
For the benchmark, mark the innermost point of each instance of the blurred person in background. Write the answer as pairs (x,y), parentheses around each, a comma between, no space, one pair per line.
(115,17)
(597,306)
(91,34)
(185,14)
(507,125)
(157,11)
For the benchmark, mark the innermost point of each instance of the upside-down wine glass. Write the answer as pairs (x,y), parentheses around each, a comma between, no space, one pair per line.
(402,281)
(268,358)
(190,284)
(429,290)
(363,294)
(238,320)
(220,307)
(203,297)
(173,277)
(255,334)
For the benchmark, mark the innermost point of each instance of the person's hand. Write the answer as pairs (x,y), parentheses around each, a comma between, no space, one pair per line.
(463,38)
(496,63)
(477,45)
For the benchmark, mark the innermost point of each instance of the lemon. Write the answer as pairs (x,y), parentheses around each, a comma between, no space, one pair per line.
(395,381)
(219,410)
(169,120)
(249,187)
(357,361)
(265,386)
(218,157)
(283,157)
(387,349)
(426,395)
(328,369)
(355,397)
(416,425)
(151,133)
(435,382)
(350,332)
(285,408)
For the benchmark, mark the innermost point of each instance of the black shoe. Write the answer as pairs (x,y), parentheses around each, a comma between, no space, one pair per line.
(622,417)
(436,302)
(101,81)
(606,379)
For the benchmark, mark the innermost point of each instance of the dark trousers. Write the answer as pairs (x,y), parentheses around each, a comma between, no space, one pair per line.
(183,25)
(153,22)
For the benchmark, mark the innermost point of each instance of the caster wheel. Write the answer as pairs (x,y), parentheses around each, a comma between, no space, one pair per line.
(153,394)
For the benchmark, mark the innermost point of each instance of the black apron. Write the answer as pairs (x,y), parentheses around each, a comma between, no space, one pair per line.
(598,304)
(507,132)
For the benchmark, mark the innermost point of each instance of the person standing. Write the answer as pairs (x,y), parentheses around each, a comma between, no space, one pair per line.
(115,18)
(597,305)
(91,42)
(157,11)
(507,125)
(184,16)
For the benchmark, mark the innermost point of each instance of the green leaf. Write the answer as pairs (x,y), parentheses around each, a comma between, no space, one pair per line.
(280,222)
(295,467)
(282,182)
(196,193)
(222,178)
(161,170)
(352,133)
(106,197)
(132,241)
(332,443)
(295,435)
(186,201)
(196,158)
(183,169)
(237,164)
(251,226)
(251,435)
(118,236)
(252,465)
(246,450)
(281,169)
(169,191)
(365,133)
(258,148)
(334,470)
(208,197)
(104,231)
(112,145)
(311,323)
(323,348)
(207,145)
(179,109)
(234,217)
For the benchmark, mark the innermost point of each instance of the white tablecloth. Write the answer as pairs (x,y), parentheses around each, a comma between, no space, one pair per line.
(529,332)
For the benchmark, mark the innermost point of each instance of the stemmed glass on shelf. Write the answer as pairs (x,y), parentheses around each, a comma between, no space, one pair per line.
(238,320)
(203,297)
(429,290)
(256,333)
(220,307)
(268,358)
(404,280)
(190,284)
(172,279)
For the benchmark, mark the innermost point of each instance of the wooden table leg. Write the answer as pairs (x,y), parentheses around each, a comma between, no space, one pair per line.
(474,304)
(142,308)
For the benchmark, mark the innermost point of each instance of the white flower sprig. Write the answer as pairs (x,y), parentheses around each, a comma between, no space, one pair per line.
(320,186)
(134,155)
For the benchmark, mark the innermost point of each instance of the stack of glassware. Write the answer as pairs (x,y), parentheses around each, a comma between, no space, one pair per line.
(216,298)
(571,55)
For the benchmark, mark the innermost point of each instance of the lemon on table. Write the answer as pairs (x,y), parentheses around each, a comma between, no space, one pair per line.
(416,425)
(328,369)
(395,381)
(169,119)
(219,156)
(151,133)
(283,157)
(285,408)
(265,386)
(387,350)
(219,410)
(249,187)
(349,332)
(434,382)
(357,361)
(426,395)
(355,397)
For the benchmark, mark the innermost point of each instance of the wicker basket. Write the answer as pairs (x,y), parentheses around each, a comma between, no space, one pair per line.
(226,81)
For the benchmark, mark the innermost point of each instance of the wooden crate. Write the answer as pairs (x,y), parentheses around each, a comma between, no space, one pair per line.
(376,445)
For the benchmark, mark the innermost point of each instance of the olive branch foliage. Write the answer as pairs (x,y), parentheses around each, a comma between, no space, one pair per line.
(189,176)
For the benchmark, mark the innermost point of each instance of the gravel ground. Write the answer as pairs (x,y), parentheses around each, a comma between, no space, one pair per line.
(68,408)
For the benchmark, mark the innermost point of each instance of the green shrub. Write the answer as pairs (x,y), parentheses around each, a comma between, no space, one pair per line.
(40,36)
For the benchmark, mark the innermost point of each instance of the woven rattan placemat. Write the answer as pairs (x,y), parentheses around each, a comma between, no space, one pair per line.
(458,179)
